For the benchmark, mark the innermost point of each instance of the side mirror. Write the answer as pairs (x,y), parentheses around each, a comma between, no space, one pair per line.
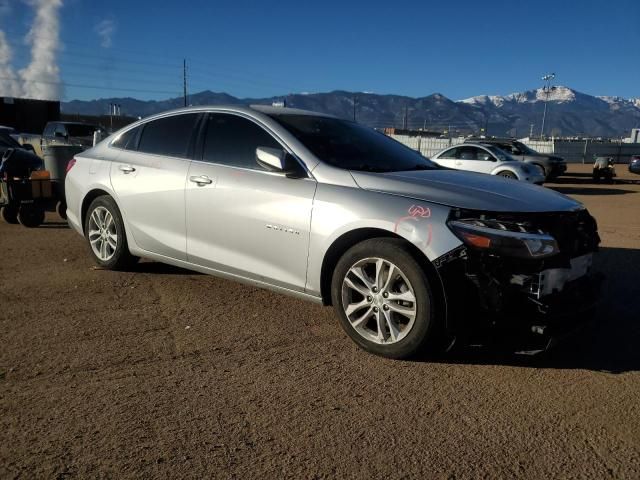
(271,158)
(29,147)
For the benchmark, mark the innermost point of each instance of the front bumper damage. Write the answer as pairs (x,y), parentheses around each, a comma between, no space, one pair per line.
(524,304)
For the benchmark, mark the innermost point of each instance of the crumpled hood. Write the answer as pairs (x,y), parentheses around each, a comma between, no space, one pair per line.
(473,191)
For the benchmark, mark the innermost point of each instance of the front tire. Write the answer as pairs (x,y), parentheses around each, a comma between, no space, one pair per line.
(105,234)
(384,300)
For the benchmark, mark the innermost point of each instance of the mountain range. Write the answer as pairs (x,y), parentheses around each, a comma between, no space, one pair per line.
(569,112)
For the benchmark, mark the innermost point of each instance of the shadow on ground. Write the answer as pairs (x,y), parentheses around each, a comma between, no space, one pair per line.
(590,191)
(611,344)
(160,268)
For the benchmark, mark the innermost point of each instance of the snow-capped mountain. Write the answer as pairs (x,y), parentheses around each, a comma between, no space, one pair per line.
(569,112)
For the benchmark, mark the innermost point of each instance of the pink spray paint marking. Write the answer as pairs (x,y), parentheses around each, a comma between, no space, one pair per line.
(416,212)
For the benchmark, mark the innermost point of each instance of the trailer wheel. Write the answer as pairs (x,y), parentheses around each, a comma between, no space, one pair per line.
(30,216)
(61,209)
(9,214)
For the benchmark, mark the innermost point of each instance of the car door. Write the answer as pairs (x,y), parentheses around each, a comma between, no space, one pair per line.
(242,218)
(149,176)
(475,159)
(447,158)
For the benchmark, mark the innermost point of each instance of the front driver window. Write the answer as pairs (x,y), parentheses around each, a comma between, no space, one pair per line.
(232,140)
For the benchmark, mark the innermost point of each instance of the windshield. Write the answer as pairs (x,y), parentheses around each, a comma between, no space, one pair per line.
(524,149)
(75,130)
(501,154)
(347,145)
(7,141)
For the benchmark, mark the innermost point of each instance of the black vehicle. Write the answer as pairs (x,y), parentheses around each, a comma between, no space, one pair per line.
(634,164)
(25,188)
(69,133)
(551,165)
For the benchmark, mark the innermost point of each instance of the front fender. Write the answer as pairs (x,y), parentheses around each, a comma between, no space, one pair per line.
(339,210)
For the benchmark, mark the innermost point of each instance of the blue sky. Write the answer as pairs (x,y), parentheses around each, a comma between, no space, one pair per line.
(264,48)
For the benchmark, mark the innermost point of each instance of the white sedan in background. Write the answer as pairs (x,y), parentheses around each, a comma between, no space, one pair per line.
(484,158)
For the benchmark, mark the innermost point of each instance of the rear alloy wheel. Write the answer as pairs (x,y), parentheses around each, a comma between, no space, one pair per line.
(507,174)
(9,214)
(104,230)
(30,216)
(384,299)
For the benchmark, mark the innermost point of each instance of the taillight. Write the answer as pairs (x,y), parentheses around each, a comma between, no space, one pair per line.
(70,165)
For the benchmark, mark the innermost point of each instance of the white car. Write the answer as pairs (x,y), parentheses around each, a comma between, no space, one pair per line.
(483,158)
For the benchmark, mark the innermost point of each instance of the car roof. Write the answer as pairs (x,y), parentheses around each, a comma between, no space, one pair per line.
(247,109)
(490,140)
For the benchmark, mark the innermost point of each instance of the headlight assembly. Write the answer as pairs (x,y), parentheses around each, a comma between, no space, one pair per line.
(500,238)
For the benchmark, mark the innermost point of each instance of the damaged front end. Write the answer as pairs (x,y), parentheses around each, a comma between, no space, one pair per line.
(524,277)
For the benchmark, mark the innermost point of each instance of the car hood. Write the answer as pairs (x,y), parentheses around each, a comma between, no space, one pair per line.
(473,191)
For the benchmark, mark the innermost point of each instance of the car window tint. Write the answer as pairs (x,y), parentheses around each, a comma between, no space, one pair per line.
(126,141)
(61,129)
(48,130)
(232,140)
(449,153)
(467,153)
(169,136)
(483,154)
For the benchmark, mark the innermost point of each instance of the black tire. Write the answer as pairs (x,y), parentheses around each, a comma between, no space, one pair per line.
(425,330)
(121,258)
(544,171)
(30,216)
(61,209)
(9,214)
(507,174)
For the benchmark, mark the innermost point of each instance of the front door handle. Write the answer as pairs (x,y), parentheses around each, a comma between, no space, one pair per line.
(127,169)
(201,180)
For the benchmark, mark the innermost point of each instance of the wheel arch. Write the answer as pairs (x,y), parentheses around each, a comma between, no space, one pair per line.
(86,201)
(353,237)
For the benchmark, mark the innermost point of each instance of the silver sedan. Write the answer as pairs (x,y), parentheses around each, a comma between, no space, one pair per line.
(328,210)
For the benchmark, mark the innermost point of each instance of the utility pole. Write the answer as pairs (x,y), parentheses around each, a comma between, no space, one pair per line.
(184,80)
(404,120)
(547,79)
(355,99)
(531,131)
(111,105)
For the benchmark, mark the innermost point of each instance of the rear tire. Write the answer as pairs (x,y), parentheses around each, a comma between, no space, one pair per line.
(384,300)
(9,214)
(61,209)
(106,236)
(507,174)
(30,216)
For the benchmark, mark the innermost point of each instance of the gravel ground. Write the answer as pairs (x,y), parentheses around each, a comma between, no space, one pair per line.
(162,373)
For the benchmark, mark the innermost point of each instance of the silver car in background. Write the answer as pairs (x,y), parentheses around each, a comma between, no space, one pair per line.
(486,158)
(411,255)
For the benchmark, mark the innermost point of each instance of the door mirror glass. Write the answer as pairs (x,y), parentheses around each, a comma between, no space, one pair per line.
(271,158)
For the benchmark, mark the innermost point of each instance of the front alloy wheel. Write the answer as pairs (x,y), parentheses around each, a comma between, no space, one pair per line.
(384,299)
(379,300)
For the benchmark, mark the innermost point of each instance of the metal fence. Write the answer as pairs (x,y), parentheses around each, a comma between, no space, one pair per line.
(573,151)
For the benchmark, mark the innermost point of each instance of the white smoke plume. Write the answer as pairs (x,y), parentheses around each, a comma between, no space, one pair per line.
(9,86)
(105,30)
(41,78)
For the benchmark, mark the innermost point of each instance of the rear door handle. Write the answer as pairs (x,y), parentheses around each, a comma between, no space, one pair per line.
(127,168)
(201,180)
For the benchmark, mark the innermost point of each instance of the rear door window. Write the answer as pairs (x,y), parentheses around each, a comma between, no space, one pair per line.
(170,136)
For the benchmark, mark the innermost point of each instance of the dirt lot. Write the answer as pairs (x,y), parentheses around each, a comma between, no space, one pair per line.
(161,373)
